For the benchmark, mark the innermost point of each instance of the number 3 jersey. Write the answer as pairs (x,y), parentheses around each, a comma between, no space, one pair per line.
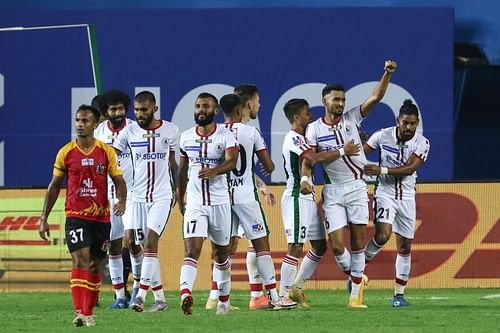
(206,151)
(151,149)
(395,153)
(242,181)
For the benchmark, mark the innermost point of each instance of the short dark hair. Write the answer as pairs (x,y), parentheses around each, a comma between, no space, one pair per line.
(145,96)
(246,91)
(329,87)
(95,112)
(113,97)
(208,95)
(408,108)
(293,107)
(229,103)
(99,103)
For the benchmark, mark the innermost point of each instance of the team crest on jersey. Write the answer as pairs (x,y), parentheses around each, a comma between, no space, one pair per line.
(220,148)
(203,140)
(166,142)
(151,135)
(100,169)
(112,136)
(298,141)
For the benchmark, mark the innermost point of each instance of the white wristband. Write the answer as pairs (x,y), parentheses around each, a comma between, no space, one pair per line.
(384,171)
(341,152)
(304,179)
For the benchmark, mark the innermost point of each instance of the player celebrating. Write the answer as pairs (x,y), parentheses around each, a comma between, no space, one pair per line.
(300,214)
(152,143)
(345,197)
(402,152)
(86,162)
(208,152)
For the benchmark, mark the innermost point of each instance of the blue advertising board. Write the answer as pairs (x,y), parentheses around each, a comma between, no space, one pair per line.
(287,52)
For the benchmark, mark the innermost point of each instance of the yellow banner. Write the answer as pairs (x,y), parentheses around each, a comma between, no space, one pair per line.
(457,244)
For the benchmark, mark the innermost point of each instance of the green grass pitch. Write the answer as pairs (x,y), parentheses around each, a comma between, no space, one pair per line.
(431,310)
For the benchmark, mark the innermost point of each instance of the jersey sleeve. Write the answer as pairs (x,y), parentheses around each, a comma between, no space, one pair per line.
(374,140)
(299,145)
(181,145)
(231,141)
(175,139)
(259,143)
(423,148)
(59,165)
(113,168)
(355,115)
(121,141)
(311,135)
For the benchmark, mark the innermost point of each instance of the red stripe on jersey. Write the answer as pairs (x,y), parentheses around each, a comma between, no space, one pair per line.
(148,183)
(346,159)
(208,180)
(153,170)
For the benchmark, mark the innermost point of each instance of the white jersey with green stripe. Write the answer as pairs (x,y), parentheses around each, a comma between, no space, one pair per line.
(151,149)
(294,146)
(326,137)
(395,153)
(206,151)
(242,186)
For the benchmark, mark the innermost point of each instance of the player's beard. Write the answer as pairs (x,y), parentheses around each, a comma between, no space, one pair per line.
(117,121)
(209,118)
(145,122)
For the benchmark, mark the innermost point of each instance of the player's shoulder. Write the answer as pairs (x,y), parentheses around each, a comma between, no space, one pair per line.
(102,145)
(170,125)
(421,140)
(68,147)
(102,126)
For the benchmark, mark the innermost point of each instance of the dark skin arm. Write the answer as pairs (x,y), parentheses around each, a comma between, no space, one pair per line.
(267,167)
(121,194)
(411,166)
(50,199)
(173,169)
(182,182)
(230,159)
(380,89)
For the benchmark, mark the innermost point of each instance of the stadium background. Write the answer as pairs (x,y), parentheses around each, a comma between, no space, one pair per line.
(289,49)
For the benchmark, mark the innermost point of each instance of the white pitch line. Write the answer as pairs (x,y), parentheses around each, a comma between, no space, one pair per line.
(491,296)
(43,27)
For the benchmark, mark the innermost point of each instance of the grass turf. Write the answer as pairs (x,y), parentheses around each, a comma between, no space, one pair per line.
(430,310)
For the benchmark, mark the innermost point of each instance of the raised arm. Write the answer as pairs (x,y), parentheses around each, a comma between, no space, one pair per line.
(379,91)
(50,199)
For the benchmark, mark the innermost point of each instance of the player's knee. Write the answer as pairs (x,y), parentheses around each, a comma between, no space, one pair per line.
(115,247)
(404,249)
(382,237)
(192,253)
(338,249)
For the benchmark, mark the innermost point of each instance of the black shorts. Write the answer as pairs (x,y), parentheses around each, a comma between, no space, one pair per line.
(82,233)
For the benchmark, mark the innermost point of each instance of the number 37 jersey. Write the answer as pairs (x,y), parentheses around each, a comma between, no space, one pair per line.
(206,151)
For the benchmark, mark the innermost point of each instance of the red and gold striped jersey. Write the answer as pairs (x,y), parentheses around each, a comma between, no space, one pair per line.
(86,195)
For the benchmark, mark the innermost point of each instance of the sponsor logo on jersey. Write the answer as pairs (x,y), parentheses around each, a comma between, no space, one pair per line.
(288,232)
(335,128)
(395,162)
(151,156)
(205,160)
(204,140)
(151,135)
(88,189)
(87,161)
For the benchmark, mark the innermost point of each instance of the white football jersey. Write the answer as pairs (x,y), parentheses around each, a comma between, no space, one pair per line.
(325,137)
(151,149)
(294,145)
(393,154)
(206,151)
(107,134)
(242,182)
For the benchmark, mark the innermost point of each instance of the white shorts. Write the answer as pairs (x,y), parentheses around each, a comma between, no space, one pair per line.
(301,220)
(213,222)
(120,223)
(345,203)
(401,214)
(150,215)
(249,221)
